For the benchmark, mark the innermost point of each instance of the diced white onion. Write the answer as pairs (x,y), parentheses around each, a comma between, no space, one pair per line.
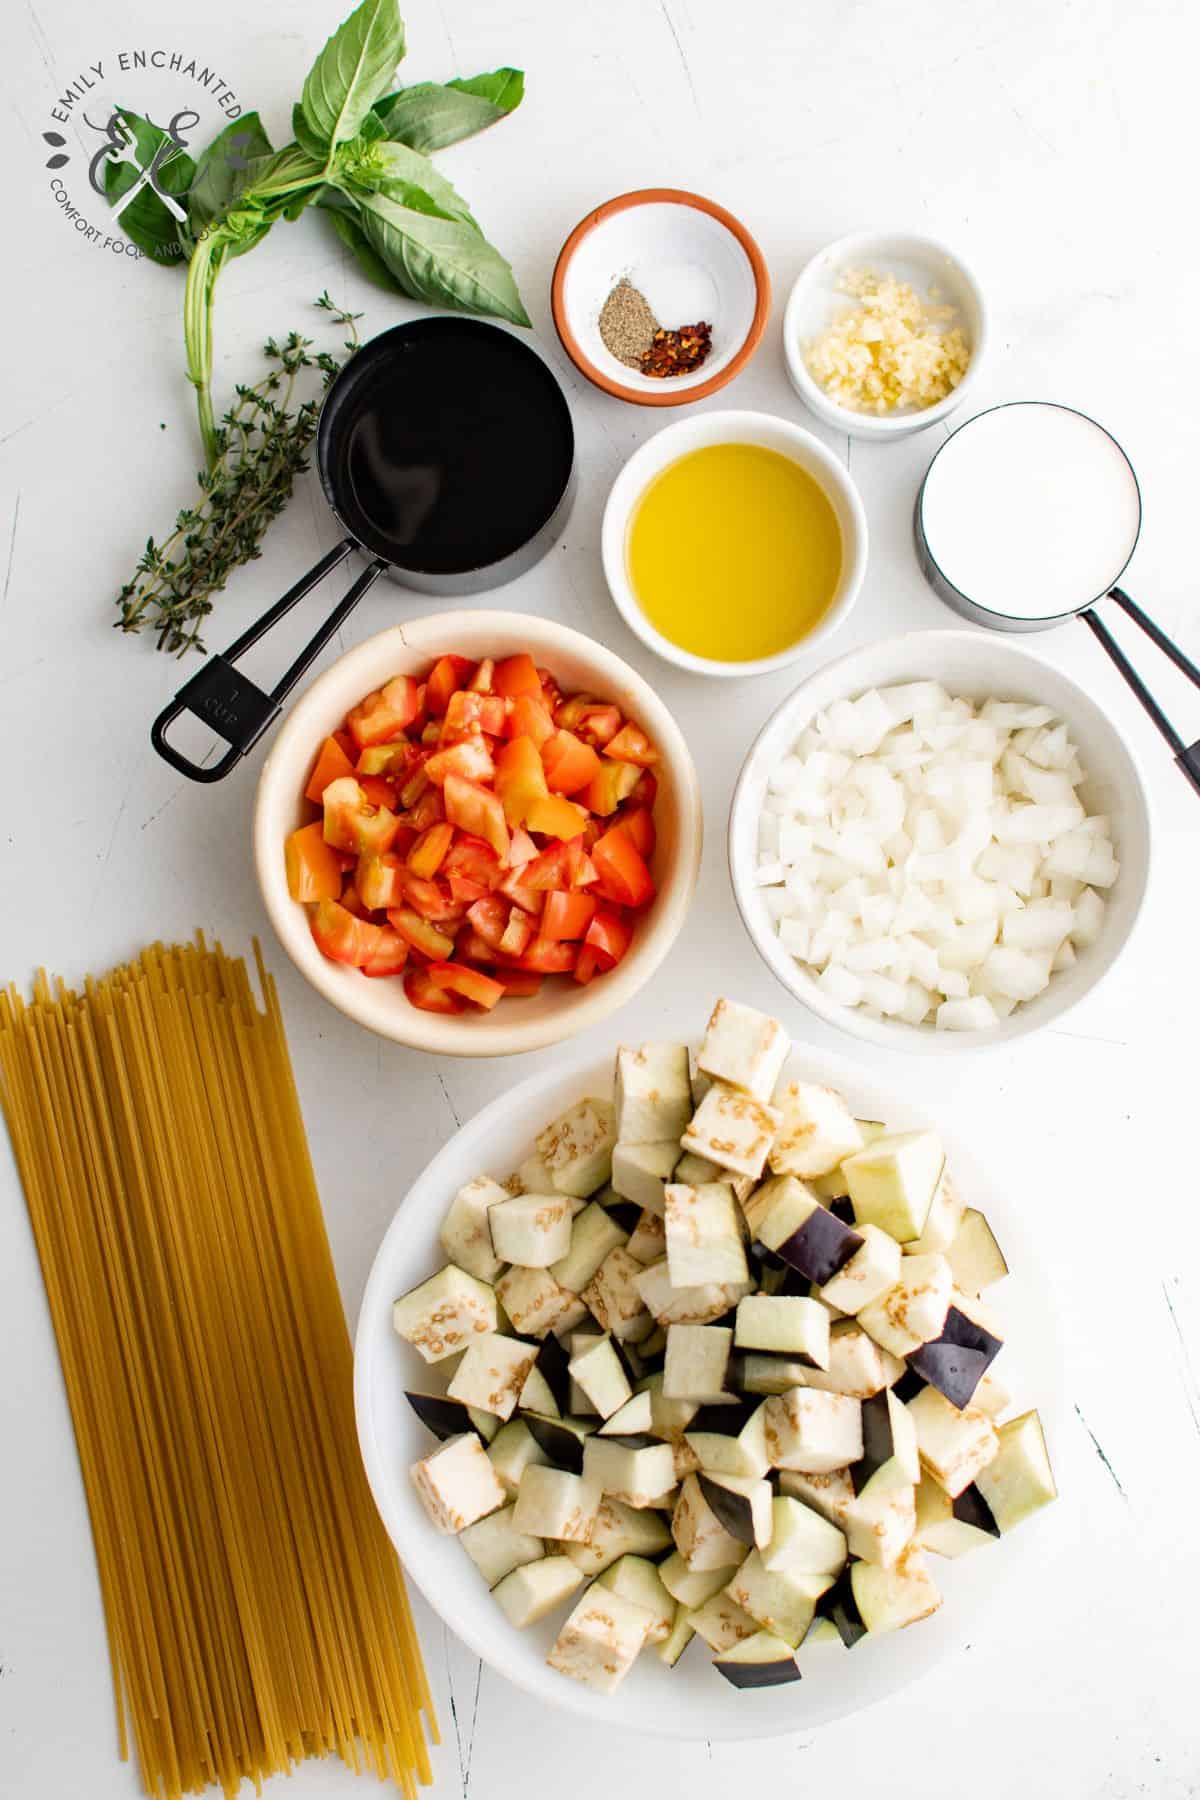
(930,861)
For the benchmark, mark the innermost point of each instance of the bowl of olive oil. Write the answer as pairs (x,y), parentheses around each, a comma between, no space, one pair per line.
(733,543)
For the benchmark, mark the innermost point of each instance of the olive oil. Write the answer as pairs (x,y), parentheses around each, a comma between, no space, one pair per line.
(734,552)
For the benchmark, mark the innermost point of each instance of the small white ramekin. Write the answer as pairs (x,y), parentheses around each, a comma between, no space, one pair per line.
(697,432)
(979,666)
(815,301)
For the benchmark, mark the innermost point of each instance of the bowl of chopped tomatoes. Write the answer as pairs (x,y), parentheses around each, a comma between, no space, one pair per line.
(478,833)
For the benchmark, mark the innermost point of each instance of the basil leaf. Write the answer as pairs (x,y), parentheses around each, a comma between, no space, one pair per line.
(411,180)
(354,237)
(146,220)
(352,71)
(222,169)
(441,261)
(306,137)
(431,114)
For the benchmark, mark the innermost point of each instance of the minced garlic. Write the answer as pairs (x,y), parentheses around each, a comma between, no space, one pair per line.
(890,350)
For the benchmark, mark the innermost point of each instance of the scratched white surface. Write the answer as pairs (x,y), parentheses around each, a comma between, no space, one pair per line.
(1051,142)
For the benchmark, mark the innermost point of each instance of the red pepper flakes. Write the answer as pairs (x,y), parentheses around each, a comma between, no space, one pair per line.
(677,352)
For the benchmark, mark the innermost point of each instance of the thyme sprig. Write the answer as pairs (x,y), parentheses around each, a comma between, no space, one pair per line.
(261,446)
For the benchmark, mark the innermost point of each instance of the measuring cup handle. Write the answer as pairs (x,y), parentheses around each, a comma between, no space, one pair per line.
(228,701)
(1187,756)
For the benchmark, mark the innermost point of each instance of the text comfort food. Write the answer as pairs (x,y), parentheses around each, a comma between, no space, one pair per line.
(719,1368)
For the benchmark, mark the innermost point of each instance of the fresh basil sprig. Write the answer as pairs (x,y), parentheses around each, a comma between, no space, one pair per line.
(360,153)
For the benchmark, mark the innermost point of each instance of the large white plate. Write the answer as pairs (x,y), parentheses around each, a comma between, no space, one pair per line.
(691,1700)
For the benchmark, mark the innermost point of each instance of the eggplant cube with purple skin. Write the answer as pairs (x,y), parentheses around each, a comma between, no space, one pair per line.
(600,1640)
(870,1272)
(813,1431)
(1018,1480)
(816,1132)
(600,1373)
(653,1093)
(786,1218)
(704,1235)
(730,1440)
(733,1129)
(700,1537)
(760,1661)
(952,1527)
(956,1361)
(742,1503)
(743,1048)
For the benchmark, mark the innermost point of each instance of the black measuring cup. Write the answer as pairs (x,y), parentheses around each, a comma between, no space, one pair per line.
(446,452)
(1028,515)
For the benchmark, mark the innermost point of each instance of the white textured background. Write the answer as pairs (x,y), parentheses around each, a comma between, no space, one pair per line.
(1054,144)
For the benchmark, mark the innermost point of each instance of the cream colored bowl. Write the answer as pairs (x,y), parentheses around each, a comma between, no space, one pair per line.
(561,1009)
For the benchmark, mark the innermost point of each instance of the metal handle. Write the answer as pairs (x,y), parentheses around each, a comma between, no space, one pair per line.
(229,701)
(1187,756)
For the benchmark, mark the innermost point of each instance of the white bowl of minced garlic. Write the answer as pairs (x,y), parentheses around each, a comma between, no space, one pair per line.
(884,333)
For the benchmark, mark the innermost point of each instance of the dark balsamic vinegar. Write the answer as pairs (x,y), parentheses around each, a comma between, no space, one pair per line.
(454,446)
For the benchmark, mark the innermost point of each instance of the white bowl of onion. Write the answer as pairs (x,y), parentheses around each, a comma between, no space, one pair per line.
(885,859)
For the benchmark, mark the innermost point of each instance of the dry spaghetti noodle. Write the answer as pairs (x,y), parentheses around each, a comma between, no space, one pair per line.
(255,1611)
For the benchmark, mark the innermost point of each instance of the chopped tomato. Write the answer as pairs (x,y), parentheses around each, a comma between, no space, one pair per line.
(431,734)
(390,954)
(470,857)
(427,853)
(613,783)
(589,718)
(393,760)
(420,933)
(586,964)
(547,957)
(608,937)
(465,893)
(631,745)
(469,713)
(549,869)
(378,882)
(470,947)
(472,984)
(556,817)
(623,874)
(347,744)
(566,915)
(430,809)
(331,764)
(449,674)
(427,995)
(516,678)
(378,791)
(519,984)
(570,763)
(517,932)
(520,778)
(430,898)
(580,869)
(352,903)
(529,718)
(521,848)
(313,872)
(646,791)
(639,823)
(351,822)
(477,810)
(481,680)
(342,937)
(488,917)
(385,714)
(513,888)
(469,758)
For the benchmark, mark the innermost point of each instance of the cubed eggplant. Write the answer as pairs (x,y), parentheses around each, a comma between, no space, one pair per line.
(446,1418)
(614,1299)
(840,1607)
(786,1325)
(652,1092)
(594,1232)
(640,1172)
(957,1361)
(441,1316)
(870,1272)
(742,1505)
(782,1601)
(760,1661)
(913,1312)
(816,1131)
(600,1640)
(951,1527)
(636,1416)
(672,1305)
(560,1440)
(640,1471)
(535,1589)
(892,1182)
(536,1304)
(802,1540)
(512,1450)
(1018,1480)
(577,1147)
(744,1048)
(730,1440)
(692,1587)
(600,1373)
(857,1364)
(700,1537)
(722,1623)
(496,1548)
(956,1447)
(733,1130)
(551,1503)
(636,1578)
(492,1374)
(813,1431)
(975,1257)
(890,1458)
(890,1599)
(620,1530)
(466,1235)
(456,1484)
(704,1235)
